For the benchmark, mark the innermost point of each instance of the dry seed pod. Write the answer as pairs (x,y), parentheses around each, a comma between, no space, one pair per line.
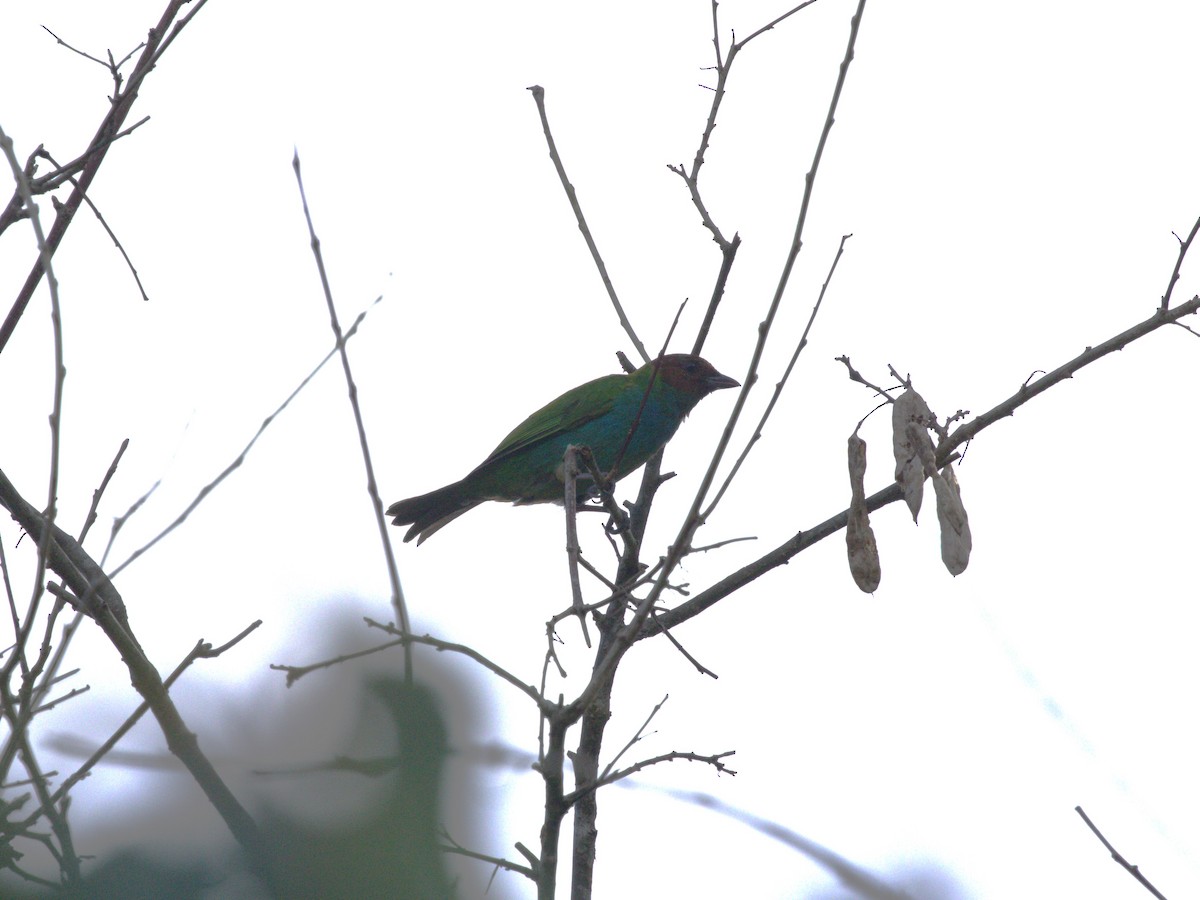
(911,442)
(861,550)
(952,517)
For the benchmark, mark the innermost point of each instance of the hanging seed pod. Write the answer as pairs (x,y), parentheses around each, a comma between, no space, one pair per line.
(912,446)
(952,517)
(861,550)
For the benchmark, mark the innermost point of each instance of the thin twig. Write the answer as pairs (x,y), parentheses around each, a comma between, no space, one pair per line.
(499,862)
(702,669)
(728,254)
(13,612)
(352,390)
(1184,246)
(90,518)
(574,554)
(528,690)
(713,760)
(637,736)
(539,98)
(63,43)
(96,212)
(61,175)
(52,663)
(779,385)
(45,255)
(295,673)
(1121,861)
(857,376)
(691,178)
(770,25)
(237,461)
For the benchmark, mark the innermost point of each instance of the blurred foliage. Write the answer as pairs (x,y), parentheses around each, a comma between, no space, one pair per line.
(389,851)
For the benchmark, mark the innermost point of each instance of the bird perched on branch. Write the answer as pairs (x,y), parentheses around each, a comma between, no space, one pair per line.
(623,419)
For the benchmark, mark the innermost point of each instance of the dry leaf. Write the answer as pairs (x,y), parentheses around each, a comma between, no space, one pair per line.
(952,517)
(912,446)
(861,549)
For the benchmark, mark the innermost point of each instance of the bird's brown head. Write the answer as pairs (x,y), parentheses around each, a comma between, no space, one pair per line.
(692,375)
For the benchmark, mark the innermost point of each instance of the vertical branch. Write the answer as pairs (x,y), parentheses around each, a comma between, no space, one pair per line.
(372,489)
(20,715)
(570,501)
(45,254)
(694,518)
(555,805)
(596,713)
(586,762)
(728,254)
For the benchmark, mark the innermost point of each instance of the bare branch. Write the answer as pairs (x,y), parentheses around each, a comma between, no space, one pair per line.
(703,670)
(713,760)
(118,111)
(1121,861)
(637,736)
(856,376)
(63,43)
(544,706)
(352,390)
(1184,246)
(96,212)
(295,673)
(946,450)
(791,12)
(497,861)
(45,254)
(539,98)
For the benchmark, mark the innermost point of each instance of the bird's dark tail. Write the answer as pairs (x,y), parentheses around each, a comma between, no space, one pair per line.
(429,512)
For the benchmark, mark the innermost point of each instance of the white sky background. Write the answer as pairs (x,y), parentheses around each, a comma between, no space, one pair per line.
(1012,174)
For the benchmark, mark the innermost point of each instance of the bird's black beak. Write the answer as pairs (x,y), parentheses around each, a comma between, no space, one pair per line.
(718,381)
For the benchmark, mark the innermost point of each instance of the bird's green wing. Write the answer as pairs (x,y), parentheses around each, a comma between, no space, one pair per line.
(563,415)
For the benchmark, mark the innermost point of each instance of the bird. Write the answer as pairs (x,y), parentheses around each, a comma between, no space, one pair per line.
(527,466)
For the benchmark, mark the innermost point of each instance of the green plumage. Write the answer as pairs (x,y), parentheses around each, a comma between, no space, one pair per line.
(527,465)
